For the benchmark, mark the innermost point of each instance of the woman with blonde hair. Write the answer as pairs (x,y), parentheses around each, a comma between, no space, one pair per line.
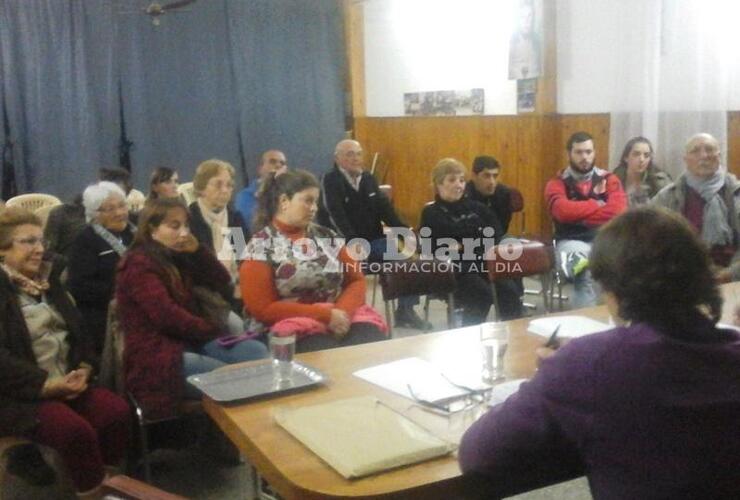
(452,216)
(46,393)
(212,216)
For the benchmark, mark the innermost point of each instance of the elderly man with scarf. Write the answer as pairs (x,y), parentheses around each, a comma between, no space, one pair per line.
(580,199)
(709,197)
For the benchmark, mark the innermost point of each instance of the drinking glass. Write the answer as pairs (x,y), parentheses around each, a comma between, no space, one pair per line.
(282,351)
(494,339)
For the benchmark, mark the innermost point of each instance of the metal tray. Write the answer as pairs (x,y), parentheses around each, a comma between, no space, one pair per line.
(253,381)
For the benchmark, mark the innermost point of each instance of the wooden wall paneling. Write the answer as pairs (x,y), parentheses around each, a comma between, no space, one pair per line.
(733,142)
(595,124)
(354,33)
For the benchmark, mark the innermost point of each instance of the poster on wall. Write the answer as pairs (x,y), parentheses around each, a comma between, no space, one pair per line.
(526,95)
(525,44)
(444,103)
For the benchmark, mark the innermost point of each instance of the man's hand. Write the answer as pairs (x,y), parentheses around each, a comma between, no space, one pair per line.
(339,323)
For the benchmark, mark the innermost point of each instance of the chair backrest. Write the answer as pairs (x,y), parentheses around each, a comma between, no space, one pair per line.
(187,191)
(33,201)
(111,361)
(387,190)
(135,200)
(428,277)
(516,201)
(43,213)
(535,258)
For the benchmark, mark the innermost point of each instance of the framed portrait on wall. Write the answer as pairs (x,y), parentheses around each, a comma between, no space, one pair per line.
(525,44)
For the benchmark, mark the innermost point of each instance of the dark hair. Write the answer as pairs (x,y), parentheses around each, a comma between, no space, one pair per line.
(577,138)
(150,218)
(159,175)
(482,163)
(652,261)
(118,175)
(628,147)
(288,183)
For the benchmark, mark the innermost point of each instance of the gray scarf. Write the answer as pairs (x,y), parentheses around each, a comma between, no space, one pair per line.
(579,177)
(115,243)
(715,229)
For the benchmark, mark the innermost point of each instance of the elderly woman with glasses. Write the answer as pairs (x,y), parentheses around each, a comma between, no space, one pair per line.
(95,253)
(212,214)
(45,362)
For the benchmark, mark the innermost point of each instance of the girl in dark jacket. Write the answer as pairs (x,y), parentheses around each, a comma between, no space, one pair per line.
(168,336)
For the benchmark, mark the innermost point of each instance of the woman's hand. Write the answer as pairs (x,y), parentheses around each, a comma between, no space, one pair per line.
(67,387)
(339,323)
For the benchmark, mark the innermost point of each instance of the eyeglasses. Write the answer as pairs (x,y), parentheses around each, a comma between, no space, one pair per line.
(467,401)
(32,241)
(113,208)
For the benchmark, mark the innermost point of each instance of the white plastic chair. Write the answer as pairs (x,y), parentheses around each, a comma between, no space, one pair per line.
(33,201)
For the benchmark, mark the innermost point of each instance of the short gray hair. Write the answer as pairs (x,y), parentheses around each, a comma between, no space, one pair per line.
(96,194)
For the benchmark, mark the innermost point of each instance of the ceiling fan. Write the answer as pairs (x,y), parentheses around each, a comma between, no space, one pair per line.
(155,10)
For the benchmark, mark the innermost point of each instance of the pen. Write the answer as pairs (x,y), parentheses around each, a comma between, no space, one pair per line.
(552,342)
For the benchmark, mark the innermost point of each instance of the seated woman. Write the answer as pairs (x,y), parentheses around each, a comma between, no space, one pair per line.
(458,218)
(163,184)
(167,335)
(648,409)
(211,213)
(640,177)
(45,362)
(324,291)
(94,255)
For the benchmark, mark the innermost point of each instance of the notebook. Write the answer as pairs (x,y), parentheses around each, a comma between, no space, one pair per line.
(361,436)
(570,326)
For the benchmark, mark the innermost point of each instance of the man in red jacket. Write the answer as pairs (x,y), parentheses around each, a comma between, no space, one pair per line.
(581,198)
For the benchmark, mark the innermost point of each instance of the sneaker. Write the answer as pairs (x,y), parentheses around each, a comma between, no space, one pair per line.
(572,264)
(407,318)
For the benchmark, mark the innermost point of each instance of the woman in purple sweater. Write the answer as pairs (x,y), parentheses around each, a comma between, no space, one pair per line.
(649,409)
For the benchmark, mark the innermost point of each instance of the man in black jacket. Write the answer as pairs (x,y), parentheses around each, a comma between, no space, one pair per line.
(485,188)
(353,205)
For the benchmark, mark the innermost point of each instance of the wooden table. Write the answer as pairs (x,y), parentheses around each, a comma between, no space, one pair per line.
(295,472)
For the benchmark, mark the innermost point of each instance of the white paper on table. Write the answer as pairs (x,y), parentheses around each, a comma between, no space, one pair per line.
(501,392)
(426,379)
(570,326)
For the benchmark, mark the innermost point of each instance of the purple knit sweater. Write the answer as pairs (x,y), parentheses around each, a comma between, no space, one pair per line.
(643,415)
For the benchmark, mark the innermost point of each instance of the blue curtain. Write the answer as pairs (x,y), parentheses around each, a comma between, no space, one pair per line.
(57,77)
(289,64)
(220,78)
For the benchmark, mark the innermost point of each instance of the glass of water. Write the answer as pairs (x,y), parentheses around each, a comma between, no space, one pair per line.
(282,351)
(494,339)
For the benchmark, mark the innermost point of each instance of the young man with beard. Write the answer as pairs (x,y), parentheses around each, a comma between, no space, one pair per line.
(580,199)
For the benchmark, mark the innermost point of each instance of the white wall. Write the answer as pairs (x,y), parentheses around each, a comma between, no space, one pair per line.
(606,52)
(426,45)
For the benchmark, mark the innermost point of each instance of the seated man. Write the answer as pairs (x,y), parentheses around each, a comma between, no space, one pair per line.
(485,188)
(709,197)
(353,205)
(580,199)
(246,199)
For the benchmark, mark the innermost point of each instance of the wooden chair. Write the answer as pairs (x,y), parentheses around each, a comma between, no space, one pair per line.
(187,191)
(433,283)
(33,201)
(535,260)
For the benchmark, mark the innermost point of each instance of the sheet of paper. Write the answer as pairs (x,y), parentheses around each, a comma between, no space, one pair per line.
(427,380)
(570,326)
(501,392)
